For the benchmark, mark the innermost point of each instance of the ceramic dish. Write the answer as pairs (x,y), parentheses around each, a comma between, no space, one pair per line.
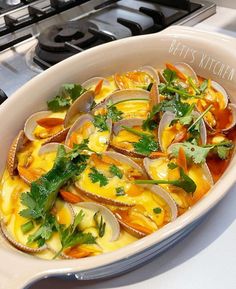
(211,55)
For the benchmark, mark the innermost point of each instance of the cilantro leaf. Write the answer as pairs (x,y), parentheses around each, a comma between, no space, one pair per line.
(100,224)
(70,92)
(223,151)
(100,121)
(169,75)
(116,171)
(97,177)
(157,210)
(150,123)
(58,103)
(120,191)
(114,113)
(172,166)
(44,232)
(146,145)
(73,90)
(196,153)
(72,236)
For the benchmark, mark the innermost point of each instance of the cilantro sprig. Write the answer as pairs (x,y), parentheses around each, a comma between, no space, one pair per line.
(184,182)
(97,177)
(71,236)
(199,153)
(100,121)
(114,113)
(69,93)
(146,144)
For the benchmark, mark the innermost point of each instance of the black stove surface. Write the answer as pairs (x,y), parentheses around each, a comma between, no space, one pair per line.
(117,19)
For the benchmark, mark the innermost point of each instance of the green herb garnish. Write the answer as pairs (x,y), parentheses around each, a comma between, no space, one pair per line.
(157,210)
(27,227)
(71,236)
(100,224)
(114,113)
(70,92)
(203,86)
(146,143)
(44,191)
(100,121)
(120,191)
(116,171)
(184,182)
(97,177)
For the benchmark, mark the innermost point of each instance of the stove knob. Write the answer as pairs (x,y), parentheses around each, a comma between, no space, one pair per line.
(3,96)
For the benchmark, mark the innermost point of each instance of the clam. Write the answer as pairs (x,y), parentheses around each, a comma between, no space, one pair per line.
(160,194)
(187,70)
(183,68)
(44,116)
(217,87)
(51,147)
(7,235)
(108,216)
(31,174)
(137,78)
(170,137)
(63,212)
(152,72)
(58,137)
(158,169)
(84,128)
(88,84)
(80,105)
(106,194)
(125,146)
(12,154)
(131,102)
(221,120)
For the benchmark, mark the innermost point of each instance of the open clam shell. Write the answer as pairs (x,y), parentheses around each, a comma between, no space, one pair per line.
(18,245)
(87,118)
(167,118)
(94,81)
(161,193)
(131,102)
(12,154)
(232,107)
(80,105)
(117,127)
(58,137)
(31,123)
(187,70)
(126,80)
(216,86)
(151,71)
(107,214)
(51,147)
(202,176)
(107,200)
(126,95)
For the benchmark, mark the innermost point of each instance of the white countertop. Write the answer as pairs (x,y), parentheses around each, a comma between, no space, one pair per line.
(206,259)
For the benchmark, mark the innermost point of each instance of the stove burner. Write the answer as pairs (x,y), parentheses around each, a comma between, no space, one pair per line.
(56,42)
(3,96)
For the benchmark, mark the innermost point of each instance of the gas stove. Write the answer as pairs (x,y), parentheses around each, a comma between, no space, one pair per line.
(35,35)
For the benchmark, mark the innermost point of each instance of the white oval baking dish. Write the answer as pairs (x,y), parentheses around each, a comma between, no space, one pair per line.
(211,55)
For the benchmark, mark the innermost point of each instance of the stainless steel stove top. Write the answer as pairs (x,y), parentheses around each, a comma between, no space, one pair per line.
(22,23)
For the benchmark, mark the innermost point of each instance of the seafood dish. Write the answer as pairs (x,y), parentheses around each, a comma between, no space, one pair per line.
(115,159)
